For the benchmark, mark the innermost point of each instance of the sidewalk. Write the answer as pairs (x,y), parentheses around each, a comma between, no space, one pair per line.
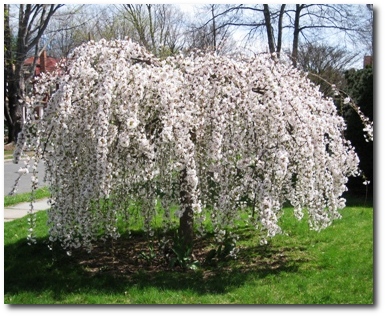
(20,210)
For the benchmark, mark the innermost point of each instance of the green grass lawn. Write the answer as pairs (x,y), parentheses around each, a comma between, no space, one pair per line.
(26,197)
(334,266)
(8,154)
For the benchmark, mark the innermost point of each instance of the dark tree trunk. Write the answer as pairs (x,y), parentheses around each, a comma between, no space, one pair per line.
(279,41)
(214,28)
(16,100)
(8,103)
(186,222)
(7,115)
(269,28)
(294,54)
(8,74)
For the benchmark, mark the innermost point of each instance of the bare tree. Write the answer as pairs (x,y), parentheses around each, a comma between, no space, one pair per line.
(215,34)
(325,64)
(156,26)
(367,34)
(32,21)
(297,23)
(170,30)
(316,21)
(259,19)
(71,27)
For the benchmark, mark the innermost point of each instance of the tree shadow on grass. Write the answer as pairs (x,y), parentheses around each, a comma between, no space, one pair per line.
(113,267)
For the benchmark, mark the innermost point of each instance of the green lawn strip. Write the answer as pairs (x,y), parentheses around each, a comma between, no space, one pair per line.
(40,193)
(334,266)
(8,154)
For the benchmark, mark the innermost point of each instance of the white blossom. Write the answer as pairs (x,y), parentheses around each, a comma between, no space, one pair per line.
(23,170)
(124,127)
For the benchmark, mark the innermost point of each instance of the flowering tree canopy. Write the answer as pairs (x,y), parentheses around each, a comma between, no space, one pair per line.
(199,138)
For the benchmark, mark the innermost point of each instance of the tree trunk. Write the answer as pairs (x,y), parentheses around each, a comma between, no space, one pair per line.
(17,100)
(152,30)
(294,54)
(13,79)
(269,28)
(8,74)
(280,20)
(214,28)
(186,222)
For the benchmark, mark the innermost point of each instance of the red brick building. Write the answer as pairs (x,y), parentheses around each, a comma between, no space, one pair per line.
(44,64)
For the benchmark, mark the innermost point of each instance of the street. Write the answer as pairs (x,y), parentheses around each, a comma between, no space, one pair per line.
(11,174)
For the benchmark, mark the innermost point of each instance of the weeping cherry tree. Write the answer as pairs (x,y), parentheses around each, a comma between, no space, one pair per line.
(193,139)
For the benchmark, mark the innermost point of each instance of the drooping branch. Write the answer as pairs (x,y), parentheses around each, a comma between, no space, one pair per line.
(198,134)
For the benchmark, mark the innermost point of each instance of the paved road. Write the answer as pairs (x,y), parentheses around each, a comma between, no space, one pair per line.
(11,174)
